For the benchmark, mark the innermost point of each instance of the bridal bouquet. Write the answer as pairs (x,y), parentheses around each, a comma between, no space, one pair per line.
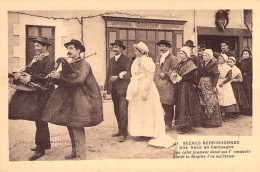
(175,77)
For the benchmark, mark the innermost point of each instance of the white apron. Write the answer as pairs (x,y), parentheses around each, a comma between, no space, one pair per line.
(225,94)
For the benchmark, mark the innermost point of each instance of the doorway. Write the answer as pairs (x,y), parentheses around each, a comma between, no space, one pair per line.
(213,42)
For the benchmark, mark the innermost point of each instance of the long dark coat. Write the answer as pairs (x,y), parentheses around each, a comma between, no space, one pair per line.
(77,101)
(246,69)
(29,105)
(164,85)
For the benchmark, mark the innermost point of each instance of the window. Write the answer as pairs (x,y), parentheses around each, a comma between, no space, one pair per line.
(247,42)
(149,37)
(33,32)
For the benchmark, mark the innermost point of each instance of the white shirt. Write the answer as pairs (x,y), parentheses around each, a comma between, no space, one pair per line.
(163,56)
(117,56)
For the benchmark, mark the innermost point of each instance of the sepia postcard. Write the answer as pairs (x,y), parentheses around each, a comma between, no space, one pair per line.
(129,86)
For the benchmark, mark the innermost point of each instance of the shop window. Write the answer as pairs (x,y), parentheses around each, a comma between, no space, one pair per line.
(33,32)
(149,37)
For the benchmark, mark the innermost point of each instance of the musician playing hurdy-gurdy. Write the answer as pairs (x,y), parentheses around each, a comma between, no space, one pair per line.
(29,105)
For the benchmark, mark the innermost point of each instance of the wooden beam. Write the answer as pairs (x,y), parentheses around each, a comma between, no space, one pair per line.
(228,31)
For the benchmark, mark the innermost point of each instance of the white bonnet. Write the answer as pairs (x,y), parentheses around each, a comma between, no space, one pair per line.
(141,47)
(209,52)
(233,58)
(225,57)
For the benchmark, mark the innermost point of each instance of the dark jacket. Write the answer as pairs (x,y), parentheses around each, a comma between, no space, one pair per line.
(77,101)
(164,85)
(115,68)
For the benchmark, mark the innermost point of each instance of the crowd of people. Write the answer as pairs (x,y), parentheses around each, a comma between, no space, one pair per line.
(192,91)
(149,95)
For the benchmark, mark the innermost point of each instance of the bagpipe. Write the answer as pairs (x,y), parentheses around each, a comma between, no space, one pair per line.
(31,86)
(66,68)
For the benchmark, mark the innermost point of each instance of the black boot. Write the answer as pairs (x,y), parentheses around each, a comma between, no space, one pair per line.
(37,154)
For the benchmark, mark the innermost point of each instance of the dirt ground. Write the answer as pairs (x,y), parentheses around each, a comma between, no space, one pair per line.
(100,144)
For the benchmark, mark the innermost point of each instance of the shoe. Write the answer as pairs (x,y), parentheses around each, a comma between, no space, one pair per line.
(122,139)
(117,134)
(168,127)
(37,155)
(183,130)
(71,156)
(38,148)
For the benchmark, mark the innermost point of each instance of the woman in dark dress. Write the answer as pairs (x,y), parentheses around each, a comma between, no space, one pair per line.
(188,108)
(208,95)
(237,86)
(245,66)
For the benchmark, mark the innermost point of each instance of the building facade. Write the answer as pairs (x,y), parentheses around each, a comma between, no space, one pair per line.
(97,29)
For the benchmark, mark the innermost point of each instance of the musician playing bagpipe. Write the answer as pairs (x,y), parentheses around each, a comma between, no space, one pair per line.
(77,102)
(28,104)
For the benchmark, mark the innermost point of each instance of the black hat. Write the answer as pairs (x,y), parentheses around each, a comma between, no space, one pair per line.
(42,40)
(202,47)
(75,43)
(189,43)
(168,44)
(119,43)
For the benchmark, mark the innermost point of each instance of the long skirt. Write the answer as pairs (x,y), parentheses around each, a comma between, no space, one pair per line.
(247,85)
(227,100)
(209,101)
(146,117)
(240,95)
(188,112)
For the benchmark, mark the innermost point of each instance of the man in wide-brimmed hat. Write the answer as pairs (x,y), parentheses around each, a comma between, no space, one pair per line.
(29,105)
(165,63)
(77,102)
(117,80)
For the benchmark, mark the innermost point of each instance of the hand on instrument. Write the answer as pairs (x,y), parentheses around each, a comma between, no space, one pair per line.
(25,79)
(17,75)
(34,61)
(221,84)
(113,78)
(55,74)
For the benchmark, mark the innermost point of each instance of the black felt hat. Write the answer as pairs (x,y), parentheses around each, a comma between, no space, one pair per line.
(42,40)
(75,43)
(164,42)
(119,43)
(189,43)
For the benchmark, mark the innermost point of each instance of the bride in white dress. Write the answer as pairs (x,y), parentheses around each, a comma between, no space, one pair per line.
(145,113)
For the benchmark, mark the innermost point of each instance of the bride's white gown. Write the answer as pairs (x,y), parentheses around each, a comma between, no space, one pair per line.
(146,117)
